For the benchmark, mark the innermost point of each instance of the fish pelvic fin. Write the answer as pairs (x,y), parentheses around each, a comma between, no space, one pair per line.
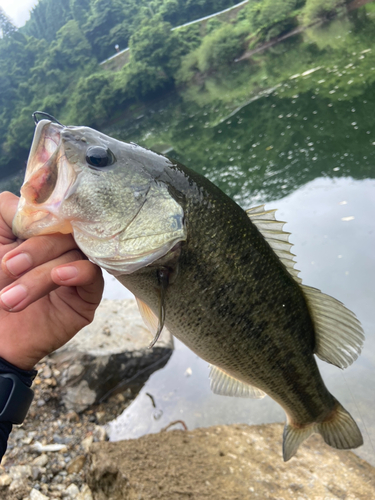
(338,430)
(225,385)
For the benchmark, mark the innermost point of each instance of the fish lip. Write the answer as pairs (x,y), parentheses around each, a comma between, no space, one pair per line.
(34,217)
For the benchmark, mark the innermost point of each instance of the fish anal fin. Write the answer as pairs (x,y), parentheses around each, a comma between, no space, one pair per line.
(338,333)
(278,239)
(293,436)
(150,319)
(225,385)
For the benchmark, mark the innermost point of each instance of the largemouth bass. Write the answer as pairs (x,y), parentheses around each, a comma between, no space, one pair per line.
(222,280)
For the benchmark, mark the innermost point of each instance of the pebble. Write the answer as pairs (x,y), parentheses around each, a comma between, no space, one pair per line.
(46,456)
(87,442)
(5,480)
(76,464)
(72,416)
(85,493)
(72,490)
(48,447)
(40,461)
(47,372)
(20,472)
(37,495)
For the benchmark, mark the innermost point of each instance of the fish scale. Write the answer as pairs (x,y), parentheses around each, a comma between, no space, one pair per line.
(246,350)
(222,280)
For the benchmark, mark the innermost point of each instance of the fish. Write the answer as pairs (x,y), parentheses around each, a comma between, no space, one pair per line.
(220,278)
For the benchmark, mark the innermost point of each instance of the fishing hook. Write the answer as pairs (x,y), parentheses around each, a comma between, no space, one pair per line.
(47,115)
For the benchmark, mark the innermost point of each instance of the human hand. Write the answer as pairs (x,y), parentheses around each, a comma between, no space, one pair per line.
(48,291)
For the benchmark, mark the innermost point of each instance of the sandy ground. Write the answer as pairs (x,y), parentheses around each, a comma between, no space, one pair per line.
(225,463)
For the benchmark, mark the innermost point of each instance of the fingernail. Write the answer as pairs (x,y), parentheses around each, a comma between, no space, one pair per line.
(18,264)
(67,272)
(12,297)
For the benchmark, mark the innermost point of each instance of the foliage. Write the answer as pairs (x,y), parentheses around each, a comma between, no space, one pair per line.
(47,18)
(317,9)
(52,62)
(6,25)
(272,17)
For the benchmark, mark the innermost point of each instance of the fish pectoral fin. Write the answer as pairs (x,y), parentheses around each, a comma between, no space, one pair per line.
(150,319)
(225,385)
(155,325)
(338,333)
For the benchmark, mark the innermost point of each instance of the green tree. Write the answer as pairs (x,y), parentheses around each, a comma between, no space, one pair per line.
(105,14)
(272,17)
(317,9)
(46,18)
(6,25)
(156,46)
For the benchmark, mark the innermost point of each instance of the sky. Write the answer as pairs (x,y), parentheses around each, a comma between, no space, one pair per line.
(18,10)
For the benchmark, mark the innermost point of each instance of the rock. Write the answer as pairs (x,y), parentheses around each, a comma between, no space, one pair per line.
(86,443)
(48,447)
(46,372)
(226,462)
(72,491)
(5,480)
(111,352)
(72,416)
(37,495)
(40,461)
(85,493)
(100,433)
(20,472)
(76,464)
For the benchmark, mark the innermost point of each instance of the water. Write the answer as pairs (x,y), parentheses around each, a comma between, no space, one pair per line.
(303,143)
(293,128)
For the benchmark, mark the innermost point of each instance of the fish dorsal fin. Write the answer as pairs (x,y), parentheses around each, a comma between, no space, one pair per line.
(272,230)
(338,333)
(150,319)
(225,385)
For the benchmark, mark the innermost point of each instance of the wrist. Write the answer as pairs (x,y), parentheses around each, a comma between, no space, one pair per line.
(17,359)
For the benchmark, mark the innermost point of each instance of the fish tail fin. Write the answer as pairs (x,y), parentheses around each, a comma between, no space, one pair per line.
(338,430)
(293,436)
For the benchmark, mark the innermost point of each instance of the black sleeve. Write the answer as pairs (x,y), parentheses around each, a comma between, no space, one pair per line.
(27,377)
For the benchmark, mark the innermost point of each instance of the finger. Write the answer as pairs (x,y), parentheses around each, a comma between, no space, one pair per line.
(8,207)
(36,251)
(35,284)
(84,275)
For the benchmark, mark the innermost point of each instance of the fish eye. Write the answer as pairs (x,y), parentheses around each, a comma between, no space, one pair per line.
(99,157)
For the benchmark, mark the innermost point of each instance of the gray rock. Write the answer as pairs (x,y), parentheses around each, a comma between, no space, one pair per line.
(110,353)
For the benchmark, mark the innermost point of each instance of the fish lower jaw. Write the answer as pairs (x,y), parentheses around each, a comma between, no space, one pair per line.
(38,223)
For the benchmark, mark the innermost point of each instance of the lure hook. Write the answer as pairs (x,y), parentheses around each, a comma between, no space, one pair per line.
(47,115)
